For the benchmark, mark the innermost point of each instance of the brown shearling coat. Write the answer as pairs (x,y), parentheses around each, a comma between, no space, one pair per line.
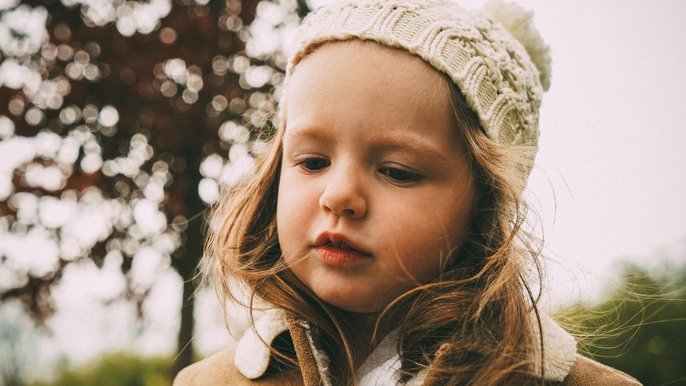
(219,370)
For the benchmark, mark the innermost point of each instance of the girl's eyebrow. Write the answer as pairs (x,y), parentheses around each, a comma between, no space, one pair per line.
(408,143)
(307,133)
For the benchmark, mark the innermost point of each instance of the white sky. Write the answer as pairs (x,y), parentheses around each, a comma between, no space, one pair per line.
(610,180)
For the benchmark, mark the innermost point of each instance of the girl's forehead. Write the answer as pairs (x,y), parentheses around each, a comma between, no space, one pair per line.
(351,71)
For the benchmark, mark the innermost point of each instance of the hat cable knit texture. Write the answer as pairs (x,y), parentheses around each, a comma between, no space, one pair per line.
(501,81)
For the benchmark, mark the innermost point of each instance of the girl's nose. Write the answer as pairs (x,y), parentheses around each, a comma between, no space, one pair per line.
(343,197)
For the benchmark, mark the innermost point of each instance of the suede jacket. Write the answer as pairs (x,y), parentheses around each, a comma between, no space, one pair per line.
(248,361)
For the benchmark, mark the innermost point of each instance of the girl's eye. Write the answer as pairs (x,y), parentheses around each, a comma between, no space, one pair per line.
(314,164)
(400,175)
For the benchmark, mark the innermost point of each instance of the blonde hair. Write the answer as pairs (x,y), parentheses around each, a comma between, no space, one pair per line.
(473,324)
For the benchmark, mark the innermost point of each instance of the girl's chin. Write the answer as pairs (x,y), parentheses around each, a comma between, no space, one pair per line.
(354,307)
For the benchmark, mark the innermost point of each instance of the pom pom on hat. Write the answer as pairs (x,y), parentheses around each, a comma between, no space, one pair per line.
(519,22)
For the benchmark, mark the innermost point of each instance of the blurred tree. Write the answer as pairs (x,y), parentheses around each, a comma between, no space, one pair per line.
(641,327)
(118,123)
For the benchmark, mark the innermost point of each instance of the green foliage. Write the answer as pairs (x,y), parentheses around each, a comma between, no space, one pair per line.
(117,369)
(641,328)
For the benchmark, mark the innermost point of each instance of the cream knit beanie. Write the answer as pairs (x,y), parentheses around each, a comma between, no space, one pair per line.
(496,57)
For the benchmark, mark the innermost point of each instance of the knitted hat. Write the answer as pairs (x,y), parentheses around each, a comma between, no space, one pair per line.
(501,78)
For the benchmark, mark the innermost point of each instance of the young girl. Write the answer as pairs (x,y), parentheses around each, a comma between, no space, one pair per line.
(383,230)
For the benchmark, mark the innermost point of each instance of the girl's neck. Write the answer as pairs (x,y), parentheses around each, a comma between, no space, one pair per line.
(361,332)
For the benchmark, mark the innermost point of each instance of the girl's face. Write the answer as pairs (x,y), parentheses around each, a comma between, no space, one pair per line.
(375,190)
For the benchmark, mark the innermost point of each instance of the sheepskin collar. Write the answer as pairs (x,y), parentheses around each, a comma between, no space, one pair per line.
(252,353)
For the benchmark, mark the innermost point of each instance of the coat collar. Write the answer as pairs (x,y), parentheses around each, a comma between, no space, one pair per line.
(252,353)
(559,349)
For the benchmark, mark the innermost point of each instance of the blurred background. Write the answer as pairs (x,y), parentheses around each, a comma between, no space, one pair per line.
(120,120)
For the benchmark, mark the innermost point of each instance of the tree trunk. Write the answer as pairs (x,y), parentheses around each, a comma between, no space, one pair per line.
(191,252)
(185,352)
(186,264)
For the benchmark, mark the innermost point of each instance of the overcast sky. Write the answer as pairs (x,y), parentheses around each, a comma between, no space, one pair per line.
(610,180)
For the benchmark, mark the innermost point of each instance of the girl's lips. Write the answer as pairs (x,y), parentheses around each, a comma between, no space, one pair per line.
(339,241)
(335,249)
(340,257)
